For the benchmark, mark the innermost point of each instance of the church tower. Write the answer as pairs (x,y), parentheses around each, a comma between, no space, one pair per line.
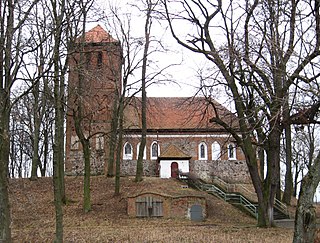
(94,80)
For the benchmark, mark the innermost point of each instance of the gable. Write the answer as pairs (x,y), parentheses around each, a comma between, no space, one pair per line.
(172,152)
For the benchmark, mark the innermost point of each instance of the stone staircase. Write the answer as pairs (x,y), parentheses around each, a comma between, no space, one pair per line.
(236,195)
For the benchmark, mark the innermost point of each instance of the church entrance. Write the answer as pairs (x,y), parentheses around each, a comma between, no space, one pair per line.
(174,170)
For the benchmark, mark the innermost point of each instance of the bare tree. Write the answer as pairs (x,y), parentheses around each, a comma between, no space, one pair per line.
(264,49)
(305,220)
(288,189)
(129,50)
(11,54)
(150,6)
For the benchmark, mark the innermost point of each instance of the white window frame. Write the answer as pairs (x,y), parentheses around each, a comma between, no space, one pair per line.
(74,142)
(144,152)
(232,155)
(158,152)
(99,142)
(127,156)
(216,151)
(205,151)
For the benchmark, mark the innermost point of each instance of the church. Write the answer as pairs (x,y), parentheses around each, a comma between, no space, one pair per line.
(180,136)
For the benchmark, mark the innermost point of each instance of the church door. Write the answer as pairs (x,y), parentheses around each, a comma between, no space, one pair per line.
(174,169)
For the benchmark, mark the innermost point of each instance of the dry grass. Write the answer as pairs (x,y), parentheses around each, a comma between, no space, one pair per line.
(34,219)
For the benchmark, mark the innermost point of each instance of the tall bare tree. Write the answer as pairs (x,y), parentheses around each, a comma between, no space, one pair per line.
(150,6)
(83,119)
(305,219)
(58,12)
(11,54)
(261,49)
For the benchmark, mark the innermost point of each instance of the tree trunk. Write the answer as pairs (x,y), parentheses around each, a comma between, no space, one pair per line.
(61,115)
(305,220)
(58,147)
(86,184)
(288,190)
(119,146)
(58,156)
(58,161)
(113,138)
(271,185)
(6,82)
(5,215)
(139,171)
(45,153)
(57,194)
(295,182)
(36,133)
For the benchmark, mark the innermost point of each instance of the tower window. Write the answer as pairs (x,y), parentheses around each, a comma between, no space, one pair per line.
(232,151)
(88,59)
(99,59)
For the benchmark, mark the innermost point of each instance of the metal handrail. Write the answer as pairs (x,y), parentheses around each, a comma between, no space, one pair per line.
(227,196)
(281,206)
(278,204)
(245,203)
(240,198)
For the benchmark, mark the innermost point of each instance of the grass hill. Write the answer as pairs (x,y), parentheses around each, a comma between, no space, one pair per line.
(33,218)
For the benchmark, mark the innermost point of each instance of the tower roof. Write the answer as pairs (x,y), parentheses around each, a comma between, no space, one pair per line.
(98,35)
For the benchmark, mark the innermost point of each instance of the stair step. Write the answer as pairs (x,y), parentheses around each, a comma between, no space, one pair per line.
(233,198)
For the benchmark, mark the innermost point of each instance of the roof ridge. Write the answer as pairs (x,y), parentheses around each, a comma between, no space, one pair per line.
(98,35)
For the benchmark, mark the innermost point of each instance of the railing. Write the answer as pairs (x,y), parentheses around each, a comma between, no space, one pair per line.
(231,197)
(245,191)
(282,207)
(244,202)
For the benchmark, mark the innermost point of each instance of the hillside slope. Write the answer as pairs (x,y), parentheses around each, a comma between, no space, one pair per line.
(33,218)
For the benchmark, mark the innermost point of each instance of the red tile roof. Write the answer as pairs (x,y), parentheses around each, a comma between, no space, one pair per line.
(177,113)
(98,35)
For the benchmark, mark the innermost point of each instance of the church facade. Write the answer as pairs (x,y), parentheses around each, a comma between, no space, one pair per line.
(180,136)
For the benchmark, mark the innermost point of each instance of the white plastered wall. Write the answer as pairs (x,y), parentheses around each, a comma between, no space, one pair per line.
(165,167)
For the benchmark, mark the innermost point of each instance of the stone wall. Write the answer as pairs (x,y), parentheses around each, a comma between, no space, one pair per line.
(232,171)
(128,167)
(76,162)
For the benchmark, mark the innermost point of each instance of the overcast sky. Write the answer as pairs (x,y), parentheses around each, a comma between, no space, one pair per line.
(184,81)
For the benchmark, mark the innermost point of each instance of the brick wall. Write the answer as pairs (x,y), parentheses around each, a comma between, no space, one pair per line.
(173,207)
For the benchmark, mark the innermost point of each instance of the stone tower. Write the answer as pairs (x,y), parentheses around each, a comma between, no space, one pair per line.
(94,79)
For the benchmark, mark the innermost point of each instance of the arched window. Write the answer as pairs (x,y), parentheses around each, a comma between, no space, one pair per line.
(216,151)
(232,151)
(202,151)
(155,150)
(99,142)
(74,142)
(127,151)
(144,152)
